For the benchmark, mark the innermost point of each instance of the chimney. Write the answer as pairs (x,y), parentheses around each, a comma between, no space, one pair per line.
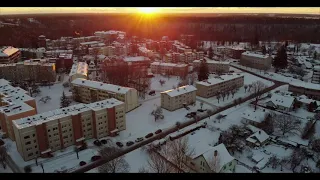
(215,153)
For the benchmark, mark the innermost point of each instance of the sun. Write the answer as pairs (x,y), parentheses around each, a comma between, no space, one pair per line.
(148,10)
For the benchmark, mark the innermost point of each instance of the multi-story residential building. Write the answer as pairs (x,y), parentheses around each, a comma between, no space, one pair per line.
(42,134)
(169,69)
(199,55)
(213,66)
(9,55)
(235,52)
(168,57)
(37,70)
(87,91)
(177,98)
(15,103)
(257,61)
(56,53)
(79,70)
(224,83)
(145,52)
(303,88)
(187,39)
(316,75)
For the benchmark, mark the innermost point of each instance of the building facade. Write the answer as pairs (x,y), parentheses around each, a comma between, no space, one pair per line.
(87,91)
(42,134)
(78,70)
(9,55)
(302,88)
(257,61)
(169,69)
(213,66)
(211,87)
(316,75)
(234,52)
(178,98)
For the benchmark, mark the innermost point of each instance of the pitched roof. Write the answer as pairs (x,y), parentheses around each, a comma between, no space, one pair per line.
(280,100)
(259,136)
(222,154)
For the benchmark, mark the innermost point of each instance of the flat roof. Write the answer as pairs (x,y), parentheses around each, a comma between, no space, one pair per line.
(101,86)
(16,108)
(8,51)
(220,79)
(108,103)
(79,68)
(261,56)
(180,90)
(168,64)
(137,58)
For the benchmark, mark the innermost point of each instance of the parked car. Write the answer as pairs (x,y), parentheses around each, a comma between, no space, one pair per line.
(95,158)
(97,143)
(129,143)
(193,113)
(189,115)
(149,135)
(103,141)
(158,131)
(119,144)
(139,139)
(152,93)
(82,163)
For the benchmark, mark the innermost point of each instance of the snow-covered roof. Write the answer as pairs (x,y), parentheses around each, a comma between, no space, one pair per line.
(137,58)
(285,101)
(220,79)
(254,115)
(79,68)
(316,68)
(223,155)
(168,64)
(180,90)
(8,51)
(89,43)
(15,108)
(108,103)
(144,50)
(306,85)
(260,56)
(262,163)
(257,157)
(304,99)
(58,51)
(210,61)
(259,136)
(101,86)
(65,56)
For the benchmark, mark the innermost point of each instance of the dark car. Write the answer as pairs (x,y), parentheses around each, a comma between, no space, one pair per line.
(153,92)
(149,135)
(82,163)
(193,113)
(139,139)
(97,143)
(119,144)
(158,131)
(189,115)
(103,141)
(129,143)
(95,158)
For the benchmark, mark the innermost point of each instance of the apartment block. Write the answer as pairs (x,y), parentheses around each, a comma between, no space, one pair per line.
(169,68)
(15,103)
(316,75)
(235,52)
(168,57)
(257,61)
(213,66)
(145,52)
(177,98)
(211,87)
(37,70)
(78,70)
(310,90)
(42,134)
(9,54)
(87,91)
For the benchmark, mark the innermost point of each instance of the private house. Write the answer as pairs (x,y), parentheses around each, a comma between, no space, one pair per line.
(253,117)
(281,102)
(258,139)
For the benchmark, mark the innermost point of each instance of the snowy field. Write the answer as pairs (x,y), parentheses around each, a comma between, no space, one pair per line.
(248,79)
(7,170)
(170,82)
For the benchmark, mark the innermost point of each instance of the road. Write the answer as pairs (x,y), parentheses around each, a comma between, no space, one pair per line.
(170,130)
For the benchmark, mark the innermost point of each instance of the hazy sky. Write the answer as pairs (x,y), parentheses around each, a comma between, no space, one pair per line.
(34,10)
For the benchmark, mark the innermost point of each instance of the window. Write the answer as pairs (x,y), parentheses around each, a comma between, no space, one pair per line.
(35,146)
(37,152)
(29,142)
(33,135)
(26,137)
(30,154)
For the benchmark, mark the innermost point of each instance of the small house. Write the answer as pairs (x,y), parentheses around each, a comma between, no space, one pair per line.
(280,102)
(258,139)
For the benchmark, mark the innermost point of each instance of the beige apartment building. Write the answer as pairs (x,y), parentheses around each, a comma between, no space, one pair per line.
(9,54)
(177,98)
(15,103)
(255,60)
(213,66)
(87,91)
(37,70)
(169,68)
(211,87)
(304,88)
(79,70)
(42,134)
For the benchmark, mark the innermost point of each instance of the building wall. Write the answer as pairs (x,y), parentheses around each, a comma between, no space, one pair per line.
(214,67)
(256,62)
(212,90)
(311,93)
(174,103)
(27,142)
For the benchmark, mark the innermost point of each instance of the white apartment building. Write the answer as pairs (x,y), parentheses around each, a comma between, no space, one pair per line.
(78,70)
(177,98)
(213,66)
(255,60)
(224,83)
(87,91)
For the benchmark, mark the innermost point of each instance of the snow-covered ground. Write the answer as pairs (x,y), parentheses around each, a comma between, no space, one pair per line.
(248,79)
(7,170)
(169,82)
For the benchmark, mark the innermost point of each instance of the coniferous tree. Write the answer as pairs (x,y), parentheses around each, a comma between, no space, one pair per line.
(203,73)
(280,61)
(210,53)
(315,55)
(65,102)
(263,49)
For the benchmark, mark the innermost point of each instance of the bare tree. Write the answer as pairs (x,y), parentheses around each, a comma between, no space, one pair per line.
(297,156)
(157,164)
(214,162)
(308,130)
(228,94)
(257,88)
(209,112)
(117,165)
(249,87)
(233,92)
(245,88)
(274,162)
(218,97)
(201,105)
(3,155)
(143,170)
(315,145)
(223,94)
(286,124)
(162,82)
(157,113)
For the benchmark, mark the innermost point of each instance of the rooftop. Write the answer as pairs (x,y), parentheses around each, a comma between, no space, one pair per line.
(101,86)
(285,101)
(258,137)
(16,108)
(223,155)
(257,115)
(180,90)
(137,58)
(261,56)
(8,51)
(90,43)
(168,64)
(108,103)
(220,79)
(79,68)
(210,61)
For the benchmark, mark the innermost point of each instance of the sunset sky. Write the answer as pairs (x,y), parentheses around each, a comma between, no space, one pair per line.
(38,10)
